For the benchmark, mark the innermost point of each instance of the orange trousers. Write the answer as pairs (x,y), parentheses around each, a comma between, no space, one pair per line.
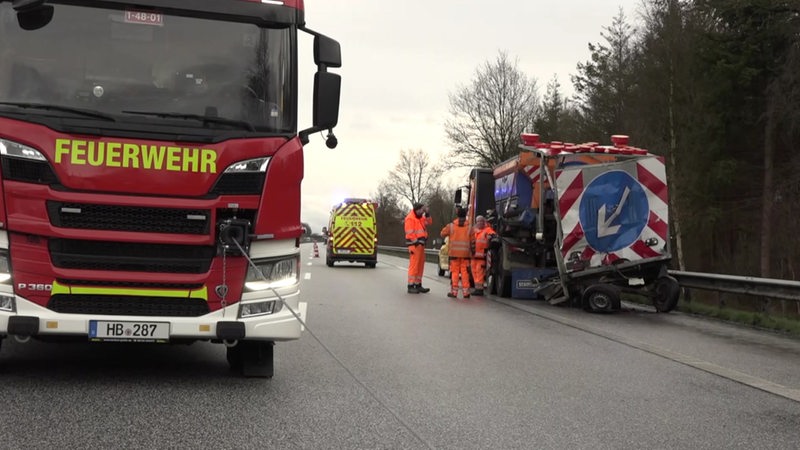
(458,267)
(416,263)
(479,272)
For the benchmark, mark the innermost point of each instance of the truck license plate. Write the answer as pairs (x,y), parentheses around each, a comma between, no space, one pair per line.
(343,251)
(101,330)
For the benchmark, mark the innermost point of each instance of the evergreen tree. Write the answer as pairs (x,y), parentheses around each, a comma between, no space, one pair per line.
(603,85)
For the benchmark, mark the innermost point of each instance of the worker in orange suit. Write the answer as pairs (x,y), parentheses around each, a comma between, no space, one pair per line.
(458,234)
(415,224)
(482,234)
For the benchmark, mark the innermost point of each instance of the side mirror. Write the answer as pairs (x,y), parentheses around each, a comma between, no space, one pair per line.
(457,198)
(327,88)
(327,52)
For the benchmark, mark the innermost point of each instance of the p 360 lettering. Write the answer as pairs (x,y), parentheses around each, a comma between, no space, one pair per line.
(35,287)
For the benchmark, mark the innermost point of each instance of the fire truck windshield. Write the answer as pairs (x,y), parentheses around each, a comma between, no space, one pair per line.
(117,62)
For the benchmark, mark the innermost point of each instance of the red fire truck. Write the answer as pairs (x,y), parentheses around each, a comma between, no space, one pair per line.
(151,166)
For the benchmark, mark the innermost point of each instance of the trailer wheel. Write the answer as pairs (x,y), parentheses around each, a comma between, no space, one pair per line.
(667,291)
(370,265)
(329,262)
(441,272)
(601,298)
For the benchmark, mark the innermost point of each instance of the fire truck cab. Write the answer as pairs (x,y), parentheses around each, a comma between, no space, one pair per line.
(150,171)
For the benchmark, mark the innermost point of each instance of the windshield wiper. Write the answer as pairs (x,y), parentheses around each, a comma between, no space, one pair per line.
(80,111)
(205,119)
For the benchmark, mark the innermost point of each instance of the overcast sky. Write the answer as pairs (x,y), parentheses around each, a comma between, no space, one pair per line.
(401,60)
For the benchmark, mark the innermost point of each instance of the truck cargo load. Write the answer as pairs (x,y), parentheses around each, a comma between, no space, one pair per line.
(580,224)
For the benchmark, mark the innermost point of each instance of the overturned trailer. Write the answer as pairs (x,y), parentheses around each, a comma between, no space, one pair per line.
(577,223)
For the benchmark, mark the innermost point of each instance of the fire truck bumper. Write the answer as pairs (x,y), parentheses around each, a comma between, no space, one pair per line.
(30,319)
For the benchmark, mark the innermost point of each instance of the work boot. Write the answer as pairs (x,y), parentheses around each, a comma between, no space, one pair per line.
(452,294)
(412,289)
(422,289)
(466,293)
(478,292)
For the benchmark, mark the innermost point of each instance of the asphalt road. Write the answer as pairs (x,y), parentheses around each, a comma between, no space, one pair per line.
(398,371)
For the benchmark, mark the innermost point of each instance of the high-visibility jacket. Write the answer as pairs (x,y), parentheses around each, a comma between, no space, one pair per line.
(459,235)
(415,228)
(481,238)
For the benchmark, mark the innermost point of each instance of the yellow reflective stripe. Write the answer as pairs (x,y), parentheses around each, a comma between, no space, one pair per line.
(59,288)
(201,293)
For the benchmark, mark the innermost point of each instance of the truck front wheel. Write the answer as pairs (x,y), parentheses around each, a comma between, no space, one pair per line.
(252,358)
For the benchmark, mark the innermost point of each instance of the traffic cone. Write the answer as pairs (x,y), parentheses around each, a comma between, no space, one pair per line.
(316,250)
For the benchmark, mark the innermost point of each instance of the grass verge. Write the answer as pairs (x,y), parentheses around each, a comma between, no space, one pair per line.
(754,319)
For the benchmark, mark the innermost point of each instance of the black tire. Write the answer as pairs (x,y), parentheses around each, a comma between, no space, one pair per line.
(502,279)
(329,262)
(441,272)
(370,265)
(666,292)
(256,358)
(491,273)
(601,298)
(491,286)
(234,356)
(504,284)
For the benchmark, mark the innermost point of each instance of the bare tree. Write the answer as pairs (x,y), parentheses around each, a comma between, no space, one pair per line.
(489,115)
(414,178)
(389,215)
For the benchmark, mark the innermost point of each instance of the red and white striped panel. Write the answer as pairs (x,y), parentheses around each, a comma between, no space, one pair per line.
(651,174)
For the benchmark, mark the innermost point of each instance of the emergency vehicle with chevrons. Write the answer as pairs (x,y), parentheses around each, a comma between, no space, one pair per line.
(353,233)
(151,166)
(580,223)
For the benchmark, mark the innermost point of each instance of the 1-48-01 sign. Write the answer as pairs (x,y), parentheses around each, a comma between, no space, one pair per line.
(144,17)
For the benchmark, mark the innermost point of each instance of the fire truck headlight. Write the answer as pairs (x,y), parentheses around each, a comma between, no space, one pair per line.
(250,166)
(260,308)
(272,274)
(17,150)
(5,268)
(242,178)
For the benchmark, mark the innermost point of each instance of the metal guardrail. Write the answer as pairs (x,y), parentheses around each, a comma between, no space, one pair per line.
(762,287)
(431,255)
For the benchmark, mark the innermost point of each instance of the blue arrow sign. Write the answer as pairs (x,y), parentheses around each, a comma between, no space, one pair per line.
(613,211)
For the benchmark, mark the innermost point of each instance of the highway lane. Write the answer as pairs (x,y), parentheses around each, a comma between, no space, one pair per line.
(414,371)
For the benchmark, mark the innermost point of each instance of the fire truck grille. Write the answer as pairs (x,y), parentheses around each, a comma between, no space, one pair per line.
(129,218)
(132,257)
(129,284)
(123,305)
